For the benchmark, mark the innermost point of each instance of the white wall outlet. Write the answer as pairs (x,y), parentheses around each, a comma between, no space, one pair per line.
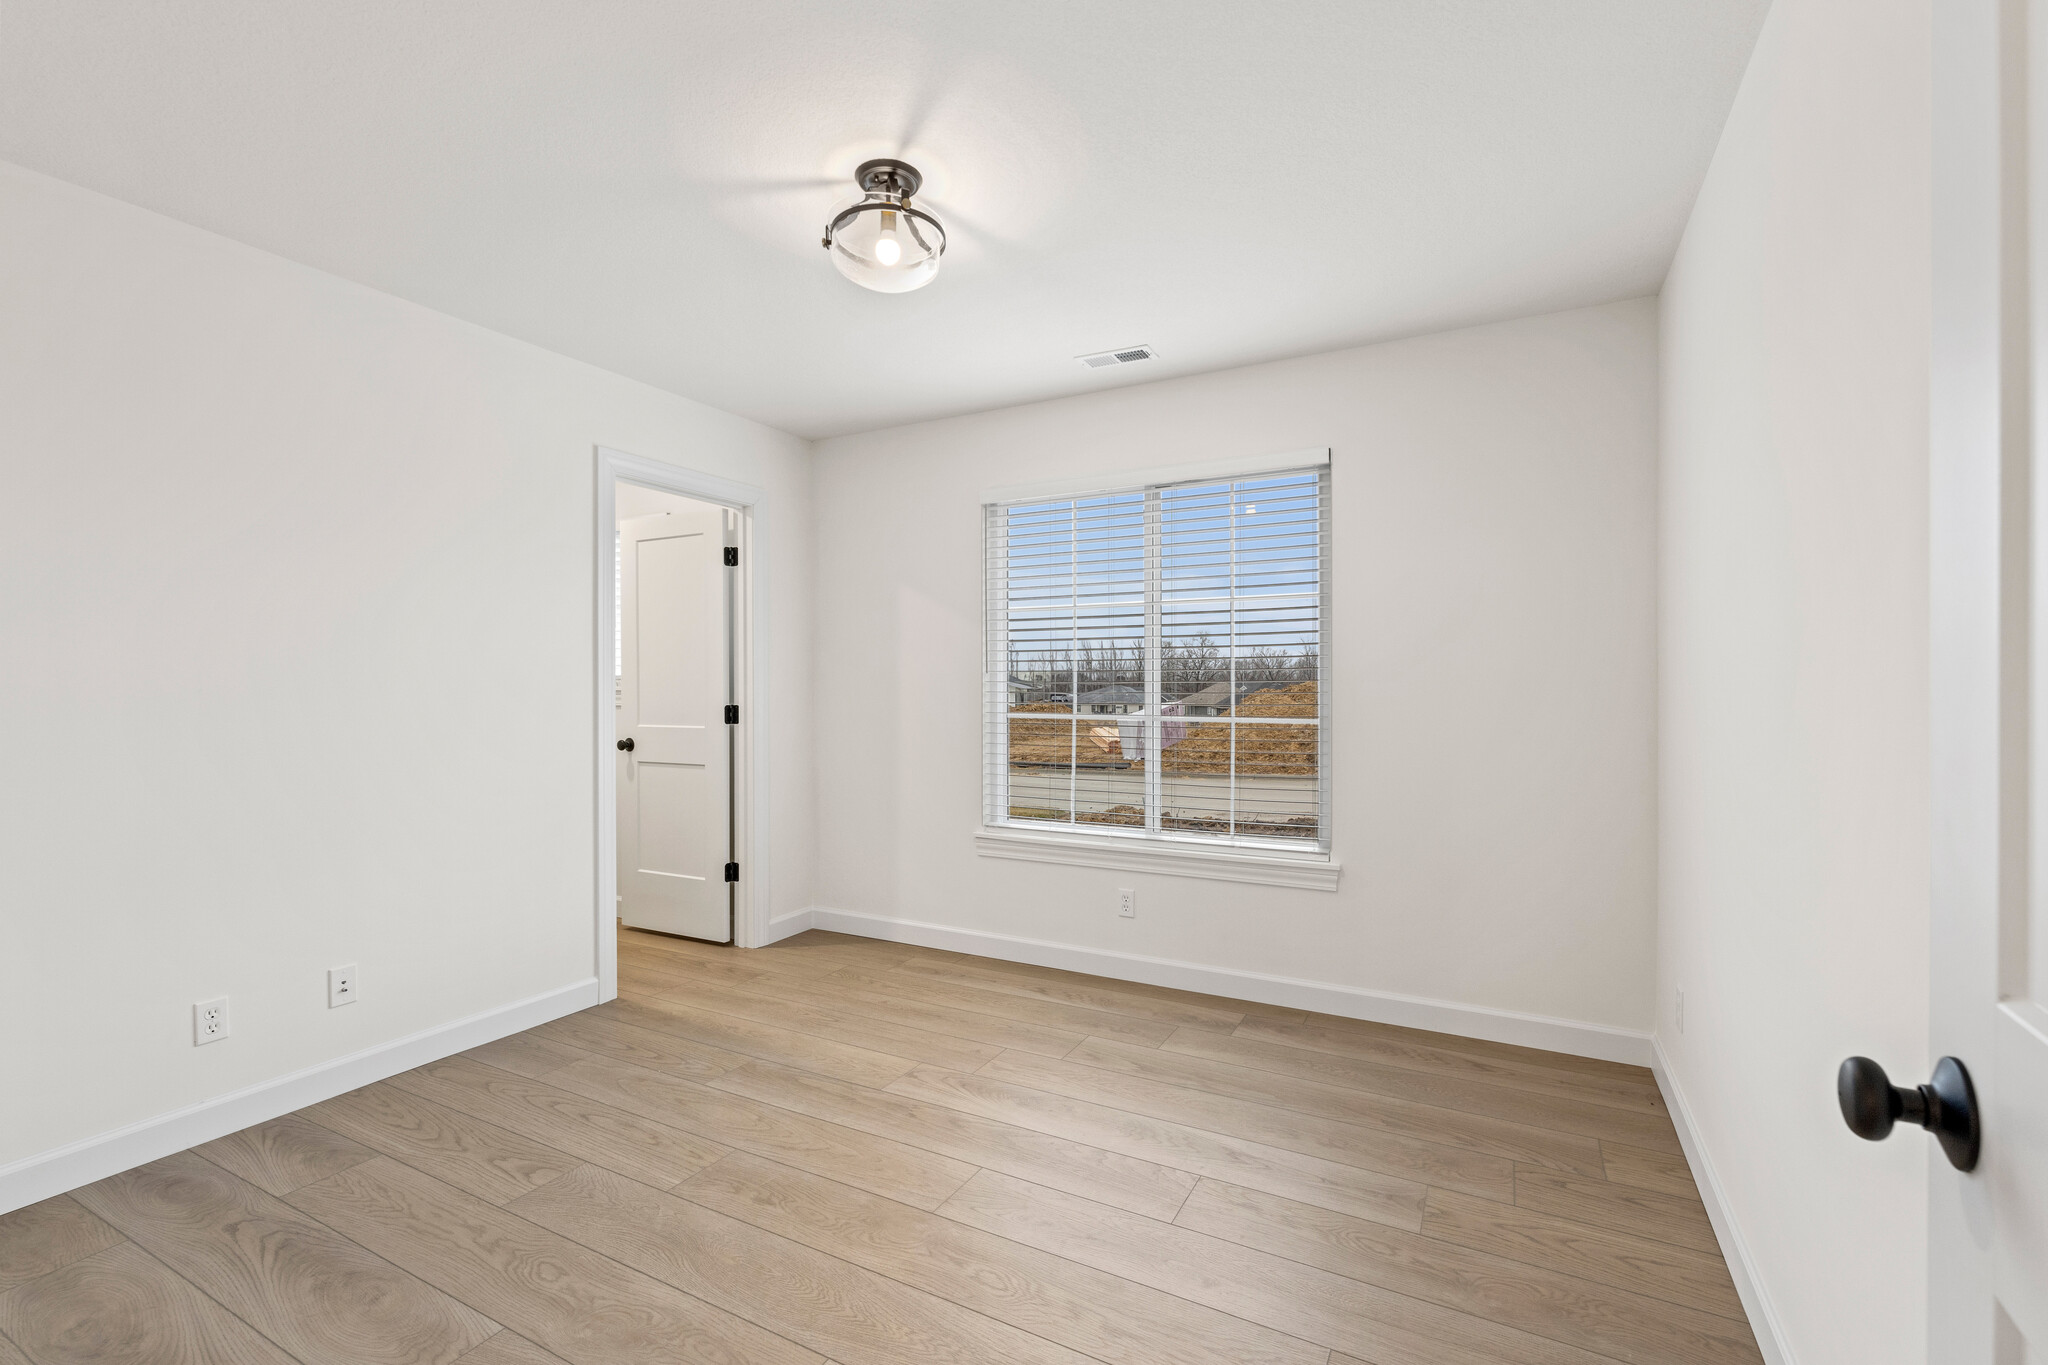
(1680,1010)
(209,1021)
(341,986)
(1127,901)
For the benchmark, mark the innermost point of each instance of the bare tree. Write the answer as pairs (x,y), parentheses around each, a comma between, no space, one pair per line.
(1188,664)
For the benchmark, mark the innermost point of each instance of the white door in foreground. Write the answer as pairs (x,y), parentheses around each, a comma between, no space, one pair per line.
(674,755)
(1988,1227)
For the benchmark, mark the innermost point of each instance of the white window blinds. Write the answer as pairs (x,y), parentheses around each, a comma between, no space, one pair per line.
(1155,662)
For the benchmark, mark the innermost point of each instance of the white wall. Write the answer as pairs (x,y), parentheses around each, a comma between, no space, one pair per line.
(1794,842)
(296,659)
(1492,658)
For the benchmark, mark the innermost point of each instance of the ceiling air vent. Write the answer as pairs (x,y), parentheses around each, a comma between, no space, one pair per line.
(1126,356)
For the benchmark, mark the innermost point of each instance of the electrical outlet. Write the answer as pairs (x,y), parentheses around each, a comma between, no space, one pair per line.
(209,1021)
(341,986)
(1127,902)
(1681,1009)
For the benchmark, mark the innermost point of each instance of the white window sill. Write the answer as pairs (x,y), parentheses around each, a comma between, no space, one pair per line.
(1316,872)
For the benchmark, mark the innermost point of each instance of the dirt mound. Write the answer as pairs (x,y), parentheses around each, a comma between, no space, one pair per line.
(1298,700)
(1269,750)
(1262,750)
(1115,815)
(1041,741)
(1060,742)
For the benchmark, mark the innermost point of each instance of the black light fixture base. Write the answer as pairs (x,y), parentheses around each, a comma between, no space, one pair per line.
(886,175)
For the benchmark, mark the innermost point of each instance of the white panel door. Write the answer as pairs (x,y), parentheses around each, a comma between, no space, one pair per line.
(1988,1228)
(675,770)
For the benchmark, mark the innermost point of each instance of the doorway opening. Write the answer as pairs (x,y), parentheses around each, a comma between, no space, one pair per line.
(674,705)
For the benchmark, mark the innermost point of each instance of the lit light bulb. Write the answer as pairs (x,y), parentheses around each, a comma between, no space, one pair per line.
(888,250)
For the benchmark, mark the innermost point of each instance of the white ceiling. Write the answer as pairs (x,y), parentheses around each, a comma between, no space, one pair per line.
(642,183)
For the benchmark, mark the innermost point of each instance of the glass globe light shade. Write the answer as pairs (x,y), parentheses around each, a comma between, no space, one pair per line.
(881,241)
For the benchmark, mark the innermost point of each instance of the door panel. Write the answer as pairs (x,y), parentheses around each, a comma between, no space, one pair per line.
(672,844)
(2016,1092)
(674,618)
(1988,1229)
(2019,1181)
(674,784)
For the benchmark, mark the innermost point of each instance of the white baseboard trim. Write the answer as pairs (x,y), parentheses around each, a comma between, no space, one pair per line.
(782,926)
(38,1177)
(1763,1317)
(1352,1002)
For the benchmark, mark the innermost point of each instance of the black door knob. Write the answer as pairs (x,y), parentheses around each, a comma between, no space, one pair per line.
(1946,1106)
(627,744)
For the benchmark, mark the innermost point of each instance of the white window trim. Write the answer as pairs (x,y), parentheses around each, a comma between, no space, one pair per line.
(1126,853)
(1316,869)
(1090,485)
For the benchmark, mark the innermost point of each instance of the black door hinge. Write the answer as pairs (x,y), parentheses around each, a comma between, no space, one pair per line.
(732,872)
(732,556)
(732,715)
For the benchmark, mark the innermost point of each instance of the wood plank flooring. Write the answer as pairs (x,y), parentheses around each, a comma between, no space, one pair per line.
(839,1151)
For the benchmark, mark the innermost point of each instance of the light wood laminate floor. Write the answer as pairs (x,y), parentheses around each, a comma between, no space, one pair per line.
(842,1150)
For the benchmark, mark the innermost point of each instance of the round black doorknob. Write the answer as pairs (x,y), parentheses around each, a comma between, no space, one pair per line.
(1946,1106)
(1871,1104)
(626,744)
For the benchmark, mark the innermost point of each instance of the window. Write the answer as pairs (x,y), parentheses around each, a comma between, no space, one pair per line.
(1155,663)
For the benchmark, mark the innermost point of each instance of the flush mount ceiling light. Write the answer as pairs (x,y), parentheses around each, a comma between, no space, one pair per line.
(880,241)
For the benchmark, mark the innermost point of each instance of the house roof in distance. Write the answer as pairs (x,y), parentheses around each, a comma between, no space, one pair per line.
(1219,693)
